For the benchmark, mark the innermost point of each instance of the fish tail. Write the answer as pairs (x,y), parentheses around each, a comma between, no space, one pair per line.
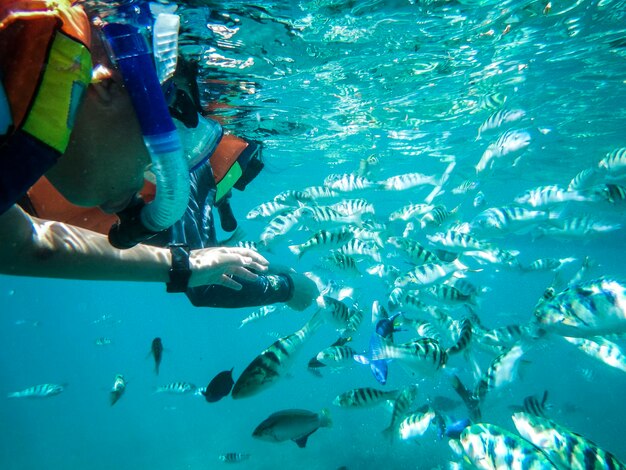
(317,320)
(388,433)
(325,419)
(296,250)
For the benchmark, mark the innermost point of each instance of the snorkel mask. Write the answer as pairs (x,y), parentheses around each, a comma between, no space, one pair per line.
(176,146)
(143,71)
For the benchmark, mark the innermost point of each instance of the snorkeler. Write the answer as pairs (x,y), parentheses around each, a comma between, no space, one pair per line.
(93,144)
(103,165)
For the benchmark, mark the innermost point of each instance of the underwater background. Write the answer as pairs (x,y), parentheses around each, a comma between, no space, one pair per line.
(324,85)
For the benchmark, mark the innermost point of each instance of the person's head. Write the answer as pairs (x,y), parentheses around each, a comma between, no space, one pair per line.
(106,158)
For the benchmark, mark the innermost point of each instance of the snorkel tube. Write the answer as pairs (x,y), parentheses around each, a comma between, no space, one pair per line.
(141,221)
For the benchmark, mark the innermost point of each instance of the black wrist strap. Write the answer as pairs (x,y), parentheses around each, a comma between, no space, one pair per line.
(180,272)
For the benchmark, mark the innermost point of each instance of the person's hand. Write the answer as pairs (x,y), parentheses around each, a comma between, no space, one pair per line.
(305,291)
(217,265)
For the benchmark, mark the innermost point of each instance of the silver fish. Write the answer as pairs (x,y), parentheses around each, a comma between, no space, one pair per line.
(119,386)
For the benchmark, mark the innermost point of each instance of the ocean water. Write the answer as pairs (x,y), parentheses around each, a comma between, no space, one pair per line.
(324,85)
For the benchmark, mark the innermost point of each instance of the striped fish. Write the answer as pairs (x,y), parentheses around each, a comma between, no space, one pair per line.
(601,349)
(509,219)
(592,308)
(415,424)
(256,315)
(565,448)
(233,457)
(401,406)
(414,250)
(176,388)
(319,192)
(446,295)
(583,179)
(424,355)
(280,225)
(292,197)
(336,356)
(364,397)
(411,211)
(546,196)
(341,262)
(271,364)
(322,239)
(577,228)
(500,117)
(533,405)
(614,192)
(349,182)
(437,216)
(546,264)
(346,318)
(430,273)
(268,209)
(38,391)
(349,207)
(464,337)
(614,163)
(324,215)
(360,249)
(502,371)
(457,242)
(408,181)
(490,447)
(512,143)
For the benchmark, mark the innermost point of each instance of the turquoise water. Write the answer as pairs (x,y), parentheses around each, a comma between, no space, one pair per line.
(324,85)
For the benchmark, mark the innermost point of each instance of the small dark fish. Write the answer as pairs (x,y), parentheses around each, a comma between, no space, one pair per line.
(157,353)
(455,428)
(219,387)
(443,403)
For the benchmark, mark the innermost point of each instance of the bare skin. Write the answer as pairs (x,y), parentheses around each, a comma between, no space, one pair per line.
(42,248)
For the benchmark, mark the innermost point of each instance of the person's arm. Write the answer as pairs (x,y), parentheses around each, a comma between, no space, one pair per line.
(35,247)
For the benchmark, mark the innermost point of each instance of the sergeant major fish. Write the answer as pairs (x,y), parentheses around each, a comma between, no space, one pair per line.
(176,388)
(512,142)
(38,391)
(267,367)
(364,397)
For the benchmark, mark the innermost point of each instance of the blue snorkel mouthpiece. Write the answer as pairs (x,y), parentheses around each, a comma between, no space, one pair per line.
(134,60)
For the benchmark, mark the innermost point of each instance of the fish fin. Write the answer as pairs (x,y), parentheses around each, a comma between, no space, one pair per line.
(296,250)
(361,359)
(301,441)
